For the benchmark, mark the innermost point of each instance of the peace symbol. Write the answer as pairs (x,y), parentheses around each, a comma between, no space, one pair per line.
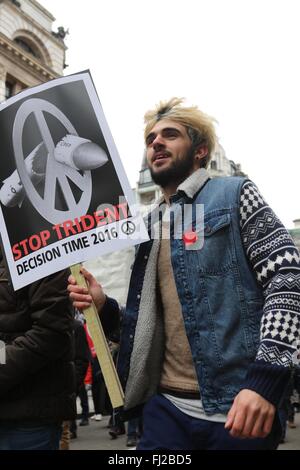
(56,173)
(128,227)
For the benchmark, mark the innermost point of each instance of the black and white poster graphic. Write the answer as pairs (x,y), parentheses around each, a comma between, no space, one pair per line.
(64,194)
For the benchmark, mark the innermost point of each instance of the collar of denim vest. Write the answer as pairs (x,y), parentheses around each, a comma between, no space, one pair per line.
(190,186)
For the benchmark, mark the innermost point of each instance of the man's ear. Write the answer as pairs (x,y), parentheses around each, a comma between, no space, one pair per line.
(201,152)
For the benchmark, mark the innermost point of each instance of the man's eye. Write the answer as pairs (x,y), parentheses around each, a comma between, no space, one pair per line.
(171,134)
(149,140)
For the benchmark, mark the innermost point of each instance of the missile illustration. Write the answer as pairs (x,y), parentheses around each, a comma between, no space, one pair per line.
(12,191)
(73,151)
(79,153)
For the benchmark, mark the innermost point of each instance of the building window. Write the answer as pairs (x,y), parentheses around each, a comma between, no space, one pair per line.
(147,198)
(145,176)
(9,89)
(12,86)
(27,47)
(213,165)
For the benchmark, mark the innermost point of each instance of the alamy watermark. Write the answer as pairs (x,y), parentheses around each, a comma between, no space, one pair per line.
(179,222)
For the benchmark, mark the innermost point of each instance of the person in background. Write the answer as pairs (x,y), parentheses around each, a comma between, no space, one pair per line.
(134,431)
(83,396)
(116,425)
(37,381)
(82,358)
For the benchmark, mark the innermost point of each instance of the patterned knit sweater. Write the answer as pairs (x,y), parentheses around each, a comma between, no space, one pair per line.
(276,263)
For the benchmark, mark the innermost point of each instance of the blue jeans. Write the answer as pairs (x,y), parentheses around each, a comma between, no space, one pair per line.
(29,436)
(167,428)
(82,393)
(134,427)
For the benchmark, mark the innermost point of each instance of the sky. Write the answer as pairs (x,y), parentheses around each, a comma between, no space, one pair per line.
(237,60)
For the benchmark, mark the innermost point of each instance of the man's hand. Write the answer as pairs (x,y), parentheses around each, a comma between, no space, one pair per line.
(250,416)
(81,297)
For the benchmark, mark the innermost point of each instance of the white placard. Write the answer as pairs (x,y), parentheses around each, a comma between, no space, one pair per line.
(65,197)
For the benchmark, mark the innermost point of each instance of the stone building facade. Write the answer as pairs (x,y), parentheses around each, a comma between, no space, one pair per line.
(30,52)
(295,232)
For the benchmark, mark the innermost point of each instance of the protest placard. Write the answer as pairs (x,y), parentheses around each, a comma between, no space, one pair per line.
(65,197)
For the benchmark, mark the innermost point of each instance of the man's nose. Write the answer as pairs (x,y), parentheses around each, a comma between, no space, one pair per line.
(158,142)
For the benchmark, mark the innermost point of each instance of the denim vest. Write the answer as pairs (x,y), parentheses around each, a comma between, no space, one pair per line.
(222,305)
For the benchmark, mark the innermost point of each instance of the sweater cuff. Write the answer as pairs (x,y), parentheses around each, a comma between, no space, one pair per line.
(268,380)
(110,316)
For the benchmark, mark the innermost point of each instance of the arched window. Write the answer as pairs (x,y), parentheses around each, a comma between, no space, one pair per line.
(9,89)
(28,47)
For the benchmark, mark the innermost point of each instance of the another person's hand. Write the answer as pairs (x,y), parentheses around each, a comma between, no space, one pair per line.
(82,297)
(250,416)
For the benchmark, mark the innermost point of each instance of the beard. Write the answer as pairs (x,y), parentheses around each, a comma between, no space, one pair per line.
(177,172)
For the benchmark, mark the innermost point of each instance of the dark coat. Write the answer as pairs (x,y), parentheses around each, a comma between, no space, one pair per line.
(37,382)
(82,354)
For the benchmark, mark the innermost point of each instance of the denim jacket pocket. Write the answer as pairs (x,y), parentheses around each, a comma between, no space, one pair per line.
(217,253)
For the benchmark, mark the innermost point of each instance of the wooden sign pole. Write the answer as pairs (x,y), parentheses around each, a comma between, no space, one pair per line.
(109,372)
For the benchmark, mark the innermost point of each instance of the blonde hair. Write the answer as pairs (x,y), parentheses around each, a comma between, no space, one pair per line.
(199,125)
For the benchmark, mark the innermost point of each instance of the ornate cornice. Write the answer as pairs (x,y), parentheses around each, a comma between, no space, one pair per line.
(25,60)
(43,9)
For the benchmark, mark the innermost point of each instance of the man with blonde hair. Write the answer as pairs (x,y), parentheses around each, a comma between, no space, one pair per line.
(210,329)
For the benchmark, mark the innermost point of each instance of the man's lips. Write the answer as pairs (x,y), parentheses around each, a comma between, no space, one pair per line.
(160,156)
